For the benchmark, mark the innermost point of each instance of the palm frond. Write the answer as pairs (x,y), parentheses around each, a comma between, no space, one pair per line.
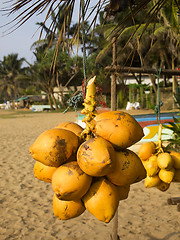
(63,11)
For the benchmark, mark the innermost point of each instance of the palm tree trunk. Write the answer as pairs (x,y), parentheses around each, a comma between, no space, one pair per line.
(54,100)
(49,100)
(61,90)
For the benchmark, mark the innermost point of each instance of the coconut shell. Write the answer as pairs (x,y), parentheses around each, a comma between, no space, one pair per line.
(119,128)
(102,199)
(43,172)
(128,168)
(65,210)
(69,182)
(96,157)
(176,159)
(177,176)
(54,147)
(71,126)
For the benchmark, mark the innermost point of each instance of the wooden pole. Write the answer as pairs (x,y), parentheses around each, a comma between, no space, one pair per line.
(173,83)
(114,235)
(167,72)
(113,77)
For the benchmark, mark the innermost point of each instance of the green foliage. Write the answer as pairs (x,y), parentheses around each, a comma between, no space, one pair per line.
(13,77)
(122,99)
(174,143)
(149,102)
(30,90)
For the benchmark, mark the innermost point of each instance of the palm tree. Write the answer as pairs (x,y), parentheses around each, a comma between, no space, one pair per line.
(27,8)
(65,72)
(12,74)
(65,9)
(148,48)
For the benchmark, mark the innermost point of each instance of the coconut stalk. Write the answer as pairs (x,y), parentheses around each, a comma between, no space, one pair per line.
(160,147)
(89,109)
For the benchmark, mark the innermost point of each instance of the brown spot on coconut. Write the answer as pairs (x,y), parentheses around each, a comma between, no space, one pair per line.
(54,147)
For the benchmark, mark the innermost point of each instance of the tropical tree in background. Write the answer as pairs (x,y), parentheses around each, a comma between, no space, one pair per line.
(136,25)
(12,77)
(155,47)
(65,9)
(65,72)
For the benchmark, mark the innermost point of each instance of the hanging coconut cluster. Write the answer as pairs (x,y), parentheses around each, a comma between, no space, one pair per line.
(89,168)
(162,167)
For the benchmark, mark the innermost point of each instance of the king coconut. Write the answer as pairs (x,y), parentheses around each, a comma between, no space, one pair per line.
(91,169)
(162,166)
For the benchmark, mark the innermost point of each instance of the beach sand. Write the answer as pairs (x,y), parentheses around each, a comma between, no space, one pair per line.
(26,203)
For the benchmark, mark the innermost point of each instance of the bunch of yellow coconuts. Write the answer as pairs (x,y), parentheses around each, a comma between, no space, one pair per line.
(162,167)
(93,174)
(89,168)
(92,168)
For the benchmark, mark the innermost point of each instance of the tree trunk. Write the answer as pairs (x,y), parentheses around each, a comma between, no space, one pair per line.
(153,78)
(62,96)
(164,81)
(49,100)
(61,90)
(54,100)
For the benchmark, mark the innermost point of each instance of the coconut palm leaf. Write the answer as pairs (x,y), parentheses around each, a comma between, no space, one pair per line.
(25,9)
(175,128)
(29,8)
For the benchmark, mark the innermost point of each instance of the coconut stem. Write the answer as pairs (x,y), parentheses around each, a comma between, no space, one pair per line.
(89,109)
(160,148)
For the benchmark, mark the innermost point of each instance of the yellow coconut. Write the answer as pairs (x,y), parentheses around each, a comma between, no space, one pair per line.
(152,181)
(123,192)
(146,150)
(118,127)
(71,126)
(165,161)
(167,175)
(151,166)
(128,168)
(43,172)
(177,176)
(102,199)
(163,186)
(176,159)
(54,147)
(69,182)
(144,163)
(96,156)
(65,210)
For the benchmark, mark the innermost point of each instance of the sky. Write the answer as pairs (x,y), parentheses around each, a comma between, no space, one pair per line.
(21,40)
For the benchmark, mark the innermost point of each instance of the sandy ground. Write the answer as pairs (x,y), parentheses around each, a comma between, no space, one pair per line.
(26,203)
